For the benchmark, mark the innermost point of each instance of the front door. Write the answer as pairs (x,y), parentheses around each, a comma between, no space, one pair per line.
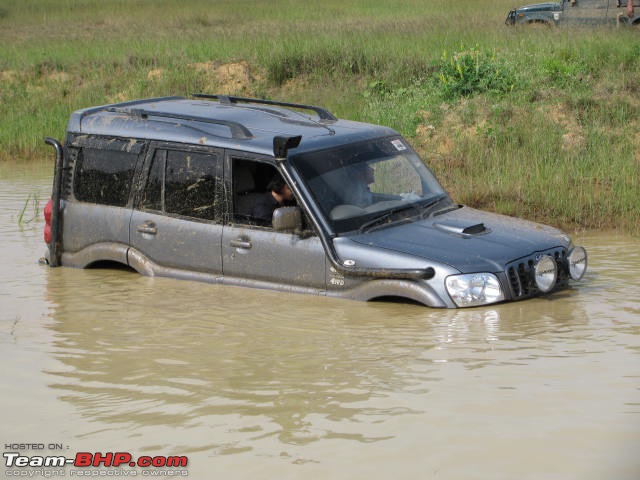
(252,252)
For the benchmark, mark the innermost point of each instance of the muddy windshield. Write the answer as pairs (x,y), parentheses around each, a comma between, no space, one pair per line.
(366,184)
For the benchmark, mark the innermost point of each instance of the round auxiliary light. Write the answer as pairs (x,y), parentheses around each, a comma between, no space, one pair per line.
(546,273)
(577,262)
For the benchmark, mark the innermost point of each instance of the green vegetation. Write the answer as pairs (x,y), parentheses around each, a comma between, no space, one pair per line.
(32,199)
(540,123)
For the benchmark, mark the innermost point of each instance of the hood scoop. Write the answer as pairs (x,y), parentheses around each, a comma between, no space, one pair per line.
(464,231)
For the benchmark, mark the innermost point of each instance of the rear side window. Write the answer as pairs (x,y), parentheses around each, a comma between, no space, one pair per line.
(184,183)
(104,176)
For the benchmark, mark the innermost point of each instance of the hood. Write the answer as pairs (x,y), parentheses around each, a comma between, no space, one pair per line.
(540,7)
(468,240)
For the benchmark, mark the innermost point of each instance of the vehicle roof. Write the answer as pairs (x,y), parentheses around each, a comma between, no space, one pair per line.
(224,122)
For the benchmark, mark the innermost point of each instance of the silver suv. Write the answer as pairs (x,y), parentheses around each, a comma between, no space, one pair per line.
(577,12)
(178,187)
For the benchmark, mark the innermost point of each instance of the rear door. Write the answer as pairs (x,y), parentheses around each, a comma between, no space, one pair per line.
(176,222)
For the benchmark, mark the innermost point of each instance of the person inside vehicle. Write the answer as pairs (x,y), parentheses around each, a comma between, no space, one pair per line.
(278,195)
(360,195)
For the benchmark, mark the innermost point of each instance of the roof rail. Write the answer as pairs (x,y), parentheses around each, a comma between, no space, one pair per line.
(238,131)
(91,111)
(324,114)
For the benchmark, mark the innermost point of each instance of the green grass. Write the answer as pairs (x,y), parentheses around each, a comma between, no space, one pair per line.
(27,217)
(537,123)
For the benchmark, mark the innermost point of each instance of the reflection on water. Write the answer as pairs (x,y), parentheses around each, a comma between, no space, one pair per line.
(258,384)
(217,351)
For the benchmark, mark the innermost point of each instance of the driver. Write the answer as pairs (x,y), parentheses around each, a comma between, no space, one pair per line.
(278,195)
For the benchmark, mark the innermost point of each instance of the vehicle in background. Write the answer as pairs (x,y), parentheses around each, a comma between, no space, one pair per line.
(577,12)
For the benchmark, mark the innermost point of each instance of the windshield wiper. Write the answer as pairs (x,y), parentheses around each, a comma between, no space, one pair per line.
(385,216)
(428,207)
(389,213)
(444,210)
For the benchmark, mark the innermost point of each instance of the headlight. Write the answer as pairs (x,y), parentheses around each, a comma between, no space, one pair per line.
(577,262)
(545,273)
(474,289)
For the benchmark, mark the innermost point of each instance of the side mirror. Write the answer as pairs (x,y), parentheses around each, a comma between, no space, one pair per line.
(287,219)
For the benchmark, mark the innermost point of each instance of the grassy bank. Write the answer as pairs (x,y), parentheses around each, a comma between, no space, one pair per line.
(540,123)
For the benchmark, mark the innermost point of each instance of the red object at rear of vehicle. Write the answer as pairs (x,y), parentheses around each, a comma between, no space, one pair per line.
(47,219)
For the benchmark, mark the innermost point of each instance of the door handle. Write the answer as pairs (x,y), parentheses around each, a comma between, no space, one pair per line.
(240,243)
(147,227)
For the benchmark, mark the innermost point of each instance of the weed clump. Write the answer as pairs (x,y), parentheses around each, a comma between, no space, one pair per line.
(469,72)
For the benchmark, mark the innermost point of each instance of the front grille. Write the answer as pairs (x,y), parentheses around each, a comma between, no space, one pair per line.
(520,273)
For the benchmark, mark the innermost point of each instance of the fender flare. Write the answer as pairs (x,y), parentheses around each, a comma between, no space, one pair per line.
(416,291)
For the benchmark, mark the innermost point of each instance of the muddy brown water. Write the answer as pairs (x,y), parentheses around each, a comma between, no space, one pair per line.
(256,384)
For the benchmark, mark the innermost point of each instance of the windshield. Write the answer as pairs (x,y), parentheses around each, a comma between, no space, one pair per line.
(356,184)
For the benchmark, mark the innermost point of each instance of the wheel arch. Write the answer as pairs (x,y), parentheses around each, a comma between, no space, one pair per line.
(409,290)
